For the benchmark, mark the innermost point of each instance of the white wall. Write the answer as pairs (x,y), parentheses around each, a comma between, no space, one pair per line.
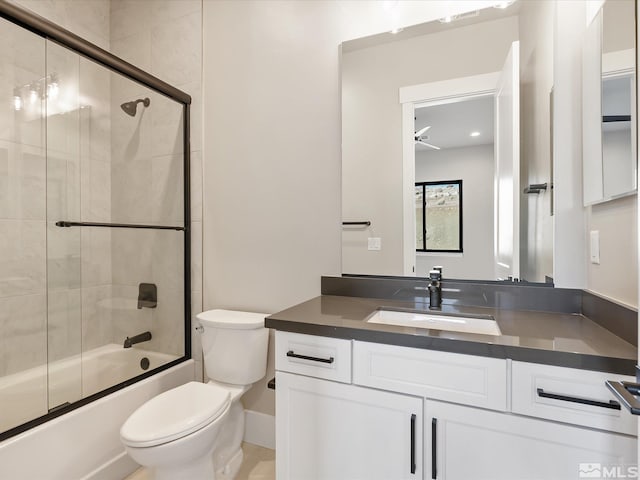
(475,167)
(372,129)
(272,146)
(570,254)
(616,276)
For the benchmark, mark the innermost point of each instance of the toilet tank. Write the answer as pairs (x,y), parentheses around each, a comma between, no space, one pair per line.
(234,345)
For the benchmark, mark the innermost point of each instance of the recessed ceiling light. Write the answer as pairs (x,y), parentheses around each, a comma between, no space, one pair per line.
(474,134)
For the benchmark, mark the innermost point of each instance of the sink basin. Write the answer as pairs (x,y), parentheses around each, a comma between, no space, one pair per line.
(483,325)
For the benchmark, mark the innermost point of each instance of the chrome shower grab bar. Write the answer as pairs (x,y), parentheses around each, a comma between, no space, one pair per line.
(63,223)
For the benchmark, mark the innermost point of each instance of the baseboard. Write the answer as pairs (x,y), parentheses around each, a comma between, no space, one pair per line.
(260,429)
(119,467)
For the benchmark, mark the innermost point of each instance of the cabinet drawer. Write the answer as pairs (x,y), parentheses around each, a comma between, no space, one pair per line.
(321,357)
(466,379)
(569,395)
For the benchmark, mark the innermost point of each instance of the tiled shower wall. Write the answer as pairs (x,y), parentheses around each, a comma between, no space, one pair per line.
(166,41)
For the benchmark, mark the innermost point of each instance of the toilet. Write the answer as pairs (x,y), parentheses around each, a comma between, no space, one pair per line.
(195,431)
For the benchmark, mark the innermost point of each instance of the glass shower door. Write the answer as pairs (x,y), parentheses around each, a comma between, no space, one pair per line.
(23,296)
(64,276)
(115,150)
(93,237)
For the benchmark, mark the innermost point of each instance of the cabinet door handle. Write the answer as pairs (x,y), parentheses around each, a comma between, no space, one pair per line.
(291,353)
(434,448)
(585,401)
(413,443)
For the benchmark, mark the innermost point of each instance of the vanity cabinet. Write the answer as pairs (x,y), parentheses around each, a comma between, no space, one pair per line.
(361,410)
(464,442)
(327,430)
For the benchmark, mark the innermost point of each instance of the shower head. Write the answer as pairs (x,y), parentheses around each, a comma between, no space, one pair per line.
(130,107)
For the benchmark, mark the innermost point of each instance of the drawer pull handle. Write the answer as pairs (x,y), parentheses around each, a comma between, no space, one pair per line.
(434,451)
(413,443)
(585,401)
(291,353)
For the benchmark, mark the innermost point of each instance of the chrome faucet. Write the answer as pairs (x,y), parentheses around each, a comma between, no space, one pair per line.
(435,289)
(142,337)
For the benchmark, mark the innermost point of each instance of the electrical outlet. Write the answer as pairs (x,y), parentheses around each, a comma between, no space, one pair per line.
(375,243)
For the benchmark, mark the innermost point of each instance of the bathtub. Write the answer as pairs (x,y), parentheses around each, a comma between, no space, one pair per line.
(84,443)
(23,395)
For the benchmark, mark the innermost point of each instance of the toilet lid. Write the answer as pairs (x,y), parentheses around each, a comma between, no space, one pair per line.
(232,319)
(174,414)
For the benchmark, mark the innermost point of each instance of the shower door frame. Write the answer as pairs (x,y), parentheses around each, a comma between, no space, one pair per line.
(50,31)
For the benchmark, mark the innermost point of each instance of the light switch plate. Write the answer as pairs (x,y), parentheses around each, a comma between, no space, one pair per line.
(375,243)
(595,246)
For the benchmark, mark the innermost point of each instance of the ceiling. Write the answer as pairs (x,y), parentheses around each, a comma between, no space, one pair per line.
(452,123)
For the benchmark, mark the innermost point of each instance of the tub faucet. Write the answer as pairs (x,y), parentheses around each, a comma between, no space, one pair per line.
(142,337)
(435,290)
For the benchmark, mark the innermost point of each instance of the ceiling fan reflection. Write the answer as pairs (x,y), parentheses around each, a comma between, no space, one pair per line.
(420,138)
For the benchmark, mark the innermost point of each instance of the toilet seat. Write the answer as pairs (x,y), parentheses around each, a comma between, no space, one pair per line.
(175,414)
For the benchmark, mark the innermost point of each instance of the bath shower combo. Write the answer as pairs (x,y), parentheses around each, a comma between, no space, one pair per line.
(71,353)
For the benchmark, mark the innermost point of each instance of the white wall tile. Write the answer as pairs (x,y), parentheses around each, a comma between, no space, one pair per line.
(176,49)
(97,309)
(167,11)
(23,260)
(135,48)
(22,182)
(132,256)
(63,251)
(167,129)
(131,198)
(96,261)
(128,17)
(64,323)
(23,340)
(167,190)
(196,186)
(196,256)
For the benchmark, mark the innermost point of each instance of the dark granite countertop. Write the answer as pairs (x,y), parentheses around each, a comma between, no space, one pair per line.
(562,339)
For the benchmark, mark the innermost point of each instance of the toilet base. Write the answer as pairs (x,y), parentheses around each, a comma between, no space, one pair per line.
(229,471)
(201,469)
(227,451)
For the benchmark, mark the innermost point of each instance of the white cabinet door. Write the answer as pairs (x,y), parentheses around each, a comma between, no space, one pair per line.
(477,444)
(333,431)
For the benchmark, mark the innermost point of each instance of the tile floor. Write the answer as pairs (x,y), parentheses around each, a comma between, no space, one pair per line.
(259,464)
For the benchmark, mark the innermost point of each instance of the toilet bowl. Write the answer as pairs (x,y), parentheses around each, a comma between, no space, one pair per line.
(175,431)
(195,431)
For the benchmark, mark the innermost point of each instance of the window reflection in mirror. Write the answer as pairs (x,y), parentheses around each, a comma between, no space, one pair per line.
(440,227)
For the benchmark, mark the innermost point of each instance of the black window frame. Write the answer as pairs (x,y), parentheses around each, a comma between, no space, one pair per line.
(424,248)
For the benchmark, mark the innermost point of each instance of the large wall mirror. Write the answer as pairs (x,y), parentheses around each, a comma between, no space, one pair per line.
(466,99)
